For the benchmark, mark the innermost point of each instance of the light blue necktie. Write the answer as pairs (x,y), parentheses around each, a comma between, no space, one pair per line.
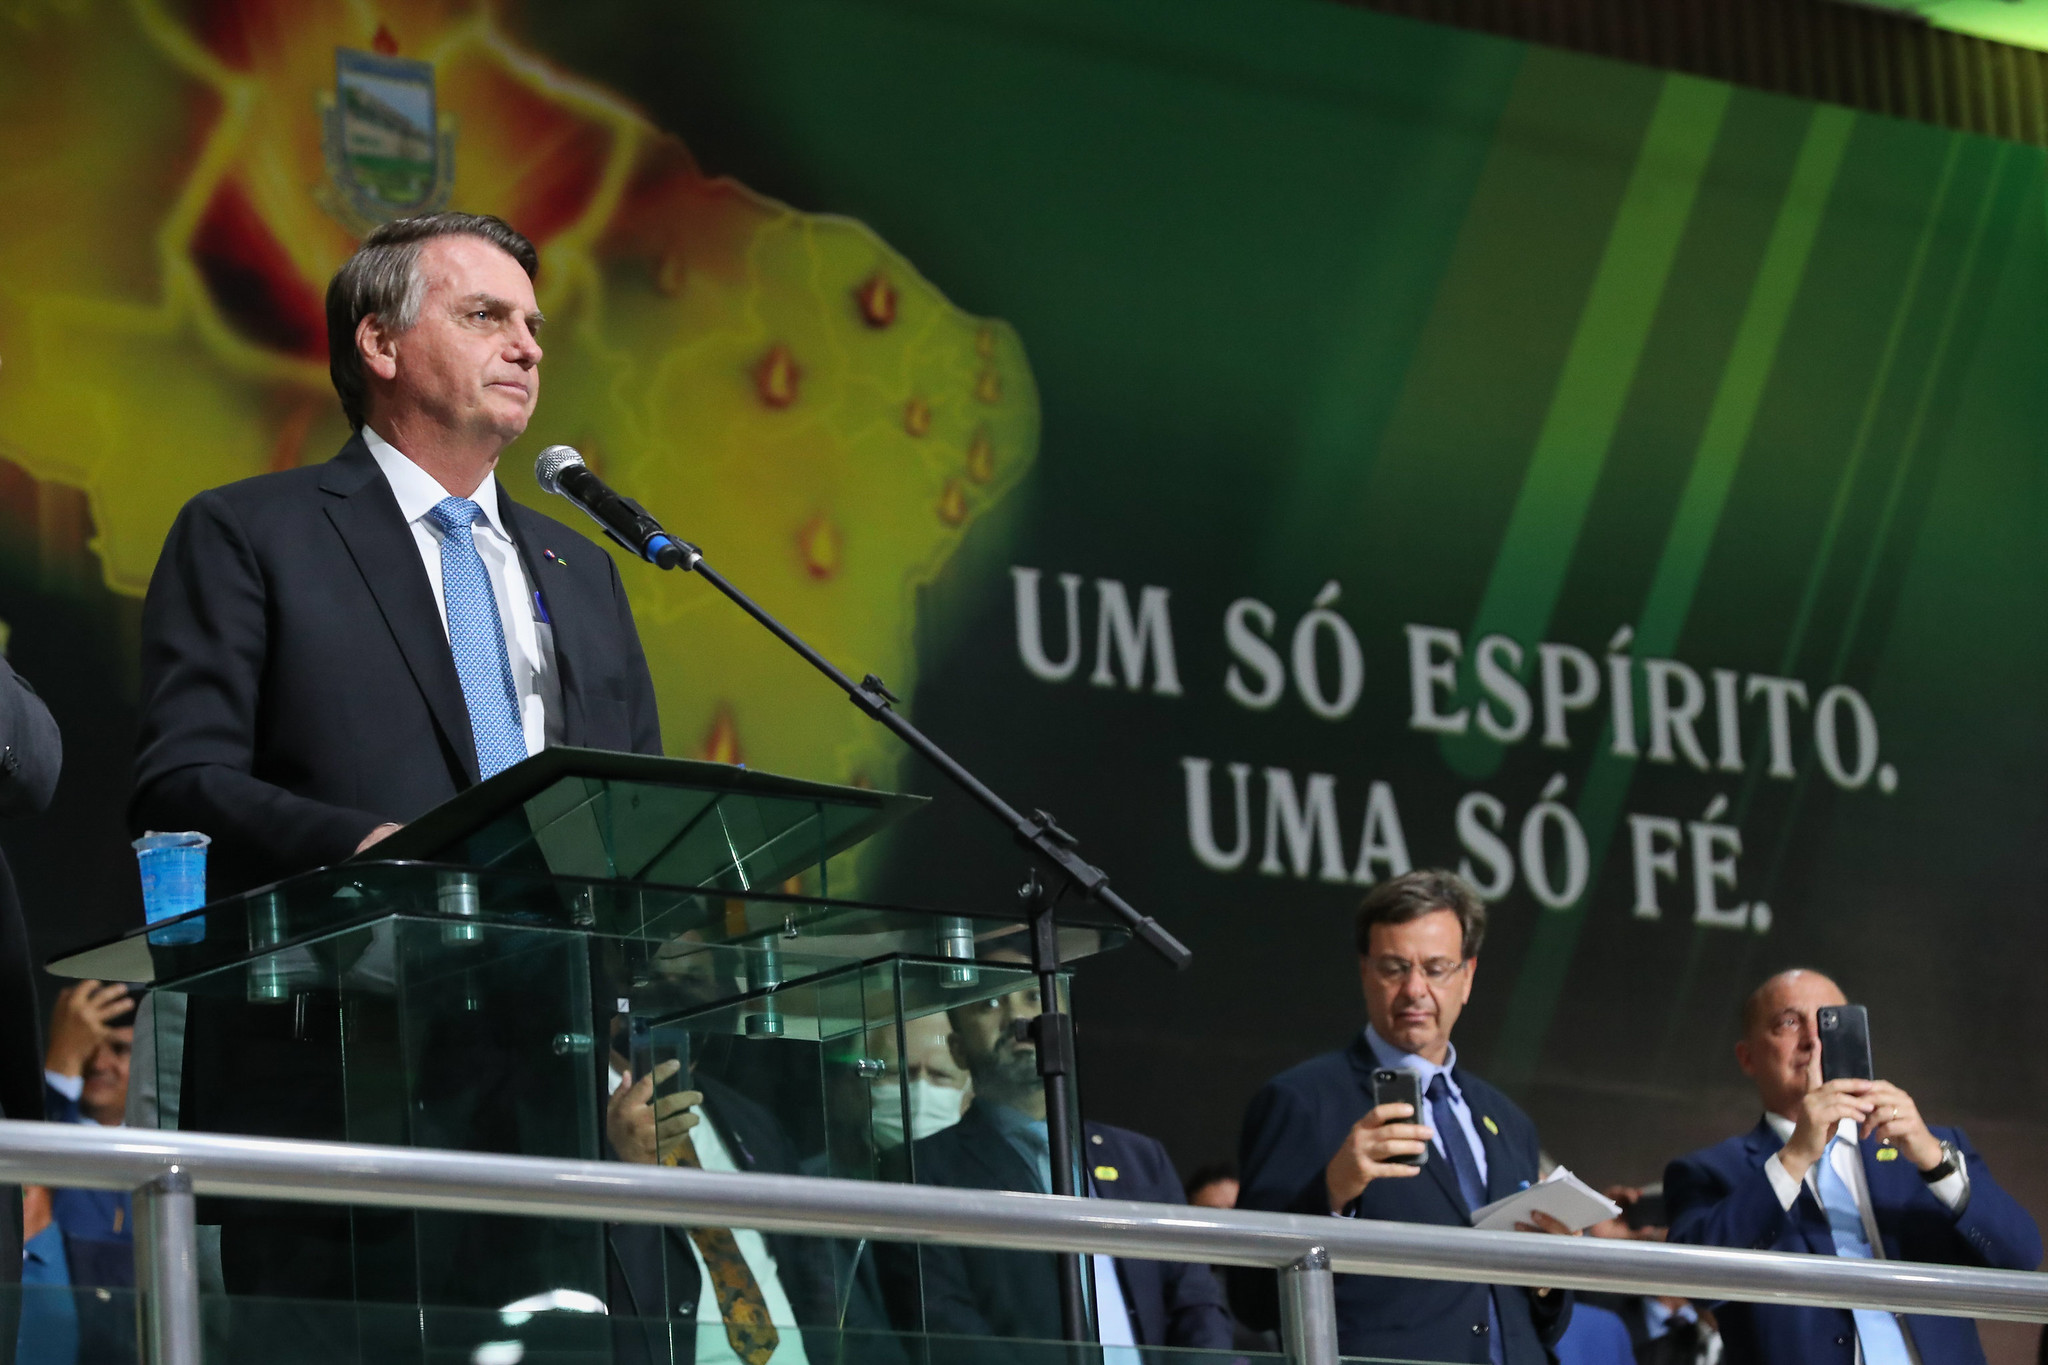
(1883,1343)
(477,637)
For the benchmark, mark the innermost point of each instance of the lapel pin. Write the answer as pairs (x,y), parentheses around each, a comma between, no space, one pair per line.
(550,554)
(1105,1172)
(1491,1126)
(1887,1154)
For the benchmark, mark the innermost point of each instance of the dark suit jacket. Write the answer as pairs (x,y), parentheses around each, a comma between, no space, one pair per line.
(297,691)
(1721,1197)
(297,685)
(31,752)
(655,1281)
(972,1291)
(1293,1127)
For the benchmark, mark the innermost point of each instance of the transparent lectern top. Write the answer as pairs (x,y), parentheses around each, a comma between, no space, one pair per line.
(630,817)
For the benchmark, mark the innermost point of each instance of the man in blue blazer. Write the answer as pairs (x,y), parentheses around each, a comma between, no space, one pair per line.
(1846,1168)
(1315,1143)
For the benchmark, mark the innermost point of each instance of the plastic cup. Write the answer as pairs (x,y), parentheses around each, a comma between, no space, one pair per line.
(173,883)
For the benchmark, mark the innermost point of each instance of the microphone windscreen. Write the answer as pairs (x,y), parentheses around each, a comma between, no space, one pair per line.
(550,464)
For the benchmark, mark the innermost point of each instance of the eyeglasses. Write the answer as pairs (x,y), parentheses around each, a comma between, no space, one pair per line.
(1438,970)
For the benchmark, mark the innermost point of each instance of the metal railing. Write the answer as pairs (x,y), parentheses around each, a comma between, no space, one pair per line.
(166,1170)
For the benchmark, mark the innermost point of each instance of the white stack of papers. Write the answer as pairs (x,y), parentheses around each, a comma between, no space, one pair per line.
(1560,1194)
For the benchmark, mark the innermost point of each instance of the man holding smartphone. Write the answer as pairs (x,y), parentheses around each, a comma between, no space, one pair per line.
(1842,1167)
(1324,1139)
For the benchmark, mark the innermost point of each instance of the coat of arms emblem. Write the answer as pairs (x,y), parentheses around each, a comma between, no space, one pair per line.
(389,154)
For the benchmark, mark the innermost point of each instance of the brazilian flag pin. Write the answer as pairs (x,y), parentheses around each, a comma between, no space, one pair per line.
(1491,1126)
(1105,1172)
(1887,1154)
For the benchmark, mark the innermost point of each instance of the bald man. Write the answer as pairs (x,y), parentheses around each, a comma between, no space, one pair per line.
(1846,1168)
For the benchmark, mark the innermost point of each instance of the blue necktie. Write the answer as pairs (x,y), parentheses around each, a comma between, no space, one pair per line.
(477,637)
(1451,1135)
(1883,1343)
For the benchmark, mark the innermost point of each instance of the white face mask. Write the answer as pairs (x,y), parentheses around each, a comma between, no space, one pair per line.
(933,1107)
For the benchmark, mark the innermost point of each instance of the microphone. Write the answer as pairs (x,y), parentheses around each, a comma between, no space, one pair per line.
(560,469)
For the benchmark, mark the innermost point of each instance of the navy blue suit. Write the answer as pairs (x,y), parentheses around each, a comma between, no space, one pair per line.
(1722,1197)
(975,1291)
(1292,1129)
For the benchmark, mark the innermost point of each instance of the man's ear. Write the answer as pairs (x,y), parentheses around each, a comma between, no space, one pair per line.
(953,1045)
(1743,1059)
(1471,970)
(378,348)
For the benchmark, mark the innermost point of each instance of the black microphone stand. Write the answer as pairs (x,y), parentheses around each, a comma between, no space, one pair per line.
(1038,832)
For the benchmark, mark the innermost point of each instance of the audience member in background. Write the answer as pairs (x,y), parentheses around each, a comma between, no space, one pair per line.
(1213,1186)
(1661,1330)
(1846,1168)
(85,1080)
(927,1074)
(1002,1144)
(31,752)
(1315,1143)
(753,1285)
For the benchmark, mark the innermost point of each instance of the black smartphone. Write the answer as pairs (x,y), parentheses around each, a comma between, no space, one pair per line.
(1390,1086)
(1844,1043)
(650,1048)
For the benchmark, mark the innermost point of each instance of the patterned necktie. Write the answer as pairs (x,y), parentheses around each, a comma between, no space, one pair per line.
(1883,1342)
(740,1305)
(1451,1135)
(477,638)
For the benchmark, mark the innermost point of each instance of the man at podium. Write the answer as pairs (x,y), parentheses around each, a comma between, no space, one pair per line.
(330,652)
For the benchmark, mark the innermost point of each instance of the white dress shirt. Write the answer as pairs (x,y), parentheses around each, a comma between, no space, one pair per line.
(713,1347)
(529,641)
(1847,1157)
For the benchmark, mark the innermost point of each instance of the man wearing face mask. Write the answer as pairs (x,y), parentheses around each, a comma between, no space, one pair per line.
(926,1080)
(1001,1144)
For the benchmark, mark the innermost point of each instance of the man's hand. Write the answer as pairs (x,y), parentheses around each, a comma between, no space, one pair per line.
(81,1021)
(1895,1120)
(1369,1150)
(382,832)
(1821,1109)
(642,1130)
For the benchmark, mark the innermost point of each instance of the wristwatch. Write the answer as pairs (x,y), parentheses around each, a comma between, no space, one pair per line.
(1951,1162)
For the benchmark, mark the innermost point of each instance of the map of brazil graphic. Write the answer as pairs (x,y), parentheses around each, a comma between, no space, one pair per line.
(781,385)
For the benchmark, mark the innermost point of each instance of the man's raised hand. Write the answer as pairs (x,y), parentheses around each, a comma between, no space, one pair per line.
(1369,1150)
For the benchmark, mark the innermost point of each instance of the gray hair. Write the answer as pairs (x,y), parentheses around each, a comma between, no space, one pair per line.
(383,279)
(1412,895)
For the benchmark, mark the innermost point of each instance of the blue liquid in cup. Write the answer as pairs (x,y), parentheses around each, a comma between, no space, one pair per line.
(173,882)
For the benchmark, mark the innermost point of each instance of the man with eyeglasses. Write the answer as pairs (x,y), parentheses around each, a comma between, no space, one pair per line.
(1315,1142)
(1845,1168)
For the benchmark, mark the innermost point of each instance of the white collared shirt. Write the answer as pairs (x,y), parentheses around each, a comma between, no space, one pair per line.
(1847,1157)
(713,1346)
(529,641)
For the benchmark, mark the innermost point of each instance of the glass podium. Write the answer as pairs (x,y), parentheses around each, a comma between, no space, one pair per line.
(482,979)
